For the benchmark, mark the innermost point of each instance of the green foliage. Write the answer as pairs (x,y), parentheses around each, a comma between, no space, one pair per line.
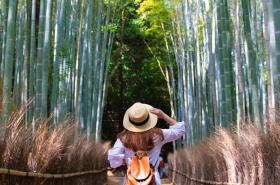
(134,71)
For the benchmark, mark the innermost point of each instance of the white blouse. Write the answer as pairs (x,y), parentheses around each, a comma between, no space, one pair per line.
(118,153)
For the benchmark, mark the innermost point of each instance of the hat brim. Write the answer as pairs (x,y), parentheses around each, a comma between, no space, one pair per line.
(151,123)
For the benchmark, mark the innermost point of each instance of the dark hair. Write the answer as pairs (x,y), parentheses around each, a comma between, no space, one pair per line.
(140,140)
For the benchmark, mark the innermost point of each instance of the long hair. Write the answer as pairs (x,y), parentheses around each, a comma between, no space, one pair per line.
(141,140)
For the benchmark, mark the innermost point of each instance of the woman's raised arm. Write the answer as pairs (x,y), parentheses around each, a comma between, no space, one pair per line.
(176,129)
(162,115)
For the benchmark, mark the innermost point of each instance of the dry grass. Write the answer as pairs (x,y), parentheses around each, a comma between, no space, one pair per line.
(60,150)
(251,157)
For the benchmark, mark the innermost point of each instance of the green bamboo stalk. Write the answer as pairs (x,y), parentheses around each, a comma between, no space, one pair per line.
(60,14)
(239,74)
(170,75)
(105,84)
(81,89)
(31,76)
(275,62)
(46,59)
(183,65)
(207,119)
(175,45)
(253,62)
(101,76)
(39,69)
(78,65)
(4,7)
(197,63)
(68,64)
(91,69)
(74,33)
(222,42)
(231,97)
(9,59)
(85,98)
(19,57)
(270,94)
(192,125)
(26,65)
(212,73)
(97,67)
(261,53)
(1,34)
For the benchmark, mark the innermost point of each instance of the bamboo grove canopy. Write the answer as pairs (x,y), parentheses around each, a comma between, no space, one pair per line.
(58,52)
(228,61)
(220,58)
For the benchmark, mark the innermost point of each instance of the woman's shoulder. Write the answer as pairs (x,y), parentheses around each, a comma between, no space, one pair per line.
(157,139)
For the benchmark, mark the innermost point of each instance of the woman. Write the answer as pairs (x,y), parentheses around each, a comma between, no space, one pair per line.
(140,133)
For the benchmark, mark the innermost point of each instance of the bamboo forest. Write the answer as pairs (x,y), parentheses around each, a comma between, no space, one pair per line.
(71,71)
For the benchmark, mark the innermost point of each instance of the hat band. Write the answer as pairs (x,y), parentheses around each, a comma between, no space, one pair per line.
(140,123)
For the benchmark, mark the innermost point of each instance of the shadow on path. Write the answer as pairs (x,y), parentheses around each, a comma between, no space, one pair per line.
(112,180)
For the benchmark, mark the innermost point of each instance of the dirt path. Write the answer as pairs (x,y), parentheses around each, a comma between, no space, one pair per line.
(119,180)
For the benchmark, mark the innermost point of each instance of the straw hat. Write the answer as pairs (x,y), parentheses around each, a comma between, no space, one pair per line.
(138,118)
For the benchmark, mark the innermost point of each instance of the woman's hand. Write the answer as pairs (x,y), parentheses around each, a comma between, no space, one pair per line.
(163,116)
(160,114)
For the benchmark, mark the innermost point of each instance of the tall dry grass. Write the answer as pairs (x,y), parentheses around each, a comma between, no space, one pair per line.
(251,157)
(59,150)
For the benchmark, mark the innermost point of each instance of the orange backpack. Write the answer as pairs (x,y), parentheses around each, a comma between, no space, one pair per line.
(140,171)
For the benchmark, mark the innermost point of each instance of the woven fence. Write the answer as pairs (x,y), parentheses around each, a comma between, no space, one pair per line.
(12,177)
(251,157)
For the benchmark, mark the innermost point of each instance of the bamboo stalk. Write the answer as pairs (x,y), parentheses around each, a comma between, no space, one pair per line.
(19,57)
(39,69)
(252,64)
(46,58)
(9,57)
(31,70)
(4,12)
(101,77)
(276,59)
(239,74)
(57,58)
